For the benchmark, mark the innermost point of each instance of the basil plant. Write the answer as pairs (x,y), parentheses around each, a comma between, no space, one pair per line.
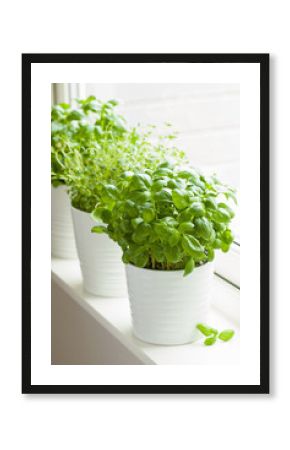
(167,218)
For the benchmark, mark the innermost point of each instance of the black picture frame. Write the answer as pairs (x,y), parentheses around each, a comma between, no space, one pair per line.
(27,61)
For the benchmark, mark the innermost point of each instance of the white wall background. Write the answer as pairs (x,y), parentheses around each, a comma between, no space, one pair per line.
(207,117)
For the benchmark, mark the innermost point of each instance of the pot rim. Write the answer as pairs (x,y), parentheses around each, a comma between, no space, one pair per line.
(79,210)
(167,271)
(88,215)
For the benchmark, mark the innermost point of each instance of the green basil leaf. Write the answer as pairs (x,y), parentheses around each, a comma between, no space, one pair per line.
(222,216)
(189,266)
(99,229)
(206,330)
(157,251)
(158,185)
(148,214)
(210,254)
(217,243)
(163,196)
(186,228)
(174,184)
(141,233)
(140,182)
(131,209)
(210,340)
(162,172)
(173,236)
(224,207)
(197,209)
(186,215)
(75,115)
(226,335)
(160,229)
(141,260)
(210,203)
(172,254)
(135,222)
(225,247)
(139,197)
(227,236)
(170,221)
(180,198)
(203,228)
(101,213)
(231,195)
(191,245)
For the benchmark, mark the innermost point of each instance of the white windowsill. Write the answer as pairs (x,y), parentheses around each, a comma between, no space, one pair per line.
(114,315)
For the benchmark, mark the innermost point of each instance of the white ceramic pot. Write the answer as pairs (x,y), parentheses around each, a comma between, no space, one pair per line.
(100,259)
(165,306)
(62,234)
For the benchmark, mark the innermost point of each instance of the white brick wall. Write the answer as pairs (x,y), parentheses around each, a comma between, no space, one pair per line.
(207,117)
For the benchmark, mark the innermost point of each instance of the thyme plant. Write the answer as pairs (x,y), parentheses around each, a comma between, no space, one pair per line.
(92,146)
(88,125)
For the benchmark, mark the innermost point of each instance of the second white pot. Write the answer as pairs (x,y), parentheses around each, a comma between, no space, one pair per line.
(100,259)
(165,306)
(62,234)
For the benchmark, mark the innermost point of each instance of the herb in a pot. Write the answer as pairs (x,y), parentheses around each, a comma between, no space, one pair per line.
(168,218)
(85,168)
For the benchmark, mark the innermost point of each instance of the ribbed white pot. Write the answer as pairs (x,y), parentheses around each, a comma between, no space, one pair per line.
(100,259)
(62,234)
(165,306)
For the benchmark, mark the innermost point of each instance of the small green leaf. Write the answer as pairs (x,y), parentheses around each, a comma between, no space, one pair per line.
(225,207)
(99,229)
(180,198)
(163,196)
(186,228)
(189,266)
(139,197)
(210,254)
(141,233)
(203,228)
(226,335)
(135,222)
(141,260)
(186,215)
(210,203)
(140,182)
(210,340)
(148,214)
(231,195)
(222,216)
(191,245)
(163,171)
(101,213)
(158,185)
(75,115)
(172,254)
(173,236)
(228,236)
(206,330)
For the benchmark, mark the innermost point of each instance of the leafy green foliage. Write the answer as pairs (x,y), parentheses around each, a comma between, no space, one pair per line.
(212,334)
(166,217)
(87,126)
(93,146)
